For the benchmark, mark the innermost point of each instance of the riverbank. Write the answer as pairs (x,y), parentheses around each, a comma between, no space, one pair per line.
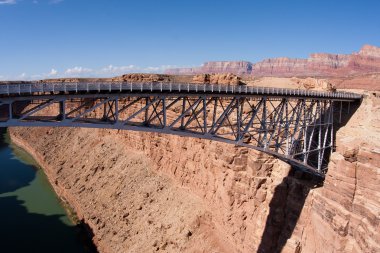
(30,211)
(48,172)
(85,234)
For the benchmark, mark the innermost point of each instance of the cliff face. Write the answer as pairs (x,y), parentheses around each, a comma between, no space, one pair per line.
(315,65)
(367,60)
(143,192)
(235,67)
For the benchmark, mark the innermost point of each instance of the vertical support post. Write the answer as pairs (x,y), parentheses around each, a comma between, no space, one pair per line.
(314,122)
(183,111)
(164,110)
(62,110)
(304,132)
(116,101)
(327,127)
(286,127)
(214,112)
(238,119)
(332,125)
(319,137)
(10,111)
(105,114)
(264,121)
(204,115)
(146,110)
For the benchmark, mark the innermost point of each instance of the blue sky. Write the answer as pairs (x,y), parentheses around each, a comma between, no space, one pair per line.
(51,38)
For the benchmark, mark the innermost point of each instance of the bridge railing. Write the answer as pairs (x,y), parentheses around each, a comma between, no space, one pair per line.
(31,88)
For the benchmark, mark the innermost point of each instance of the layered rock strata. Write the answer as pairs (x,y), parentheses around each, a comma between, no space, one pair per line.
(367,60)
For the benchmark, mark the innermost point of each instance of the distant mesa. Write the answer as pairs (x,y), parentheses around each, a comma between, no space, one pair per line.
(366,61)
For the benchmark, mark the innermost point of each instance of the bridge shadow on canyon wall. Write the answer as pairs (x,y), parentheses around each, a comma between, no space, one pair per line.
(285,209)
(290,196)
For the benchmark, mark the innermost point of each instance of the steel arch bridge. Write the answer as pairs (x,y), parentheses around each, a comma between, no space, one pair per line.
(297,126)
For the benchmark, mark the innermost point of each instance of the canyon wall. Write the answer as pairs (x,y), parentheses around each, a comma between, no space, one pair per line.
(235,67)
(367,60)
(145,192)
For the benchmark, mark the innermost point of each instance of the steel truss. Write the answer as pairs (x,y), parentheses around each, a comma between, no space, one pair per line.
(297,130)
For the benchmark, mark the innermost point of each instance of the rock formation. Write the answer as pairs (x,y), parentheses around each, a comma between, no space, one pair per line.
(313,84)
(367,60)
(308,83)
(227,79)
(141,77)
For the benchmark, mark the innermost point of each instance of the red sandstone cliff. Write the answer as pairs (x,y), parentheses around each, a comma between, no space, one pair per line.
(367,60)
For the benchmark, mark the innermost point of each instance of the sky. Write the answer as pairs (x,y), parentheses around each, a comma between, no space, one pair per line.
(62,38)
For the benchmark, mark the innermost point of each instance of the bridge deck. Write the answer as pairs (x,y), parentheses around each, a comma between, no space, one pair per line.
(175,88)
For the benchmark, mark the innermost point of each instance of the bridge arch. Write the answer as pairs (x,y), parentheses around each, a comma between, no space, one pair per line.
(293,125)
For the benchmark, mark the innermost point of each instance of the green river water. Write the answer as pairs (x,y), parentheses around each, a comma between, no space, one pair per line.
(32,219)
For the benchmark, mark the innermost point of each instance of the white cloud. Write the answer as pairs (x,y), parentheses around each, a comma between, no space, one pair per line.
(115,70)
(78,71)
(119,70)
(53,72)
(7,1)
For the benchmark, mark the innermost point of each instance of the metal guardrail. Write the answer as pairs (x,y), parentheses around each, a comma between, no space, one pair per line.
(130,87)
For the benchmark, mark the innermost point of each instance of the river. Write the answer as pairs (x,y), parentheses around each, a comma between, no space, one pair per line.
(32,219)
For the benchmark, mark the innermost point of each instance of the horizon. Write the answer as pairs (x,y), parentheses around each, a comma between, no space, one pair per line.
(65,38)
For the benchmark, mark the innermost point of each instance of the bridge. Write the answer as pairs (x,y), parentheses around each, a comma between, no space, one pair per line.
(297,126)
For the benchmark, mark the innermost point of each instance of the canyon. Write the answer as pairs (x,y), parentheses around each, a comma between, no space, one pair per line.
(148,192)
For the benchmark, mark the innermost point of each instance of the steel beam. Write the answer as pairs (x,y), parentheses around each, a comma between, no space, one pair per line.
(294,128)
